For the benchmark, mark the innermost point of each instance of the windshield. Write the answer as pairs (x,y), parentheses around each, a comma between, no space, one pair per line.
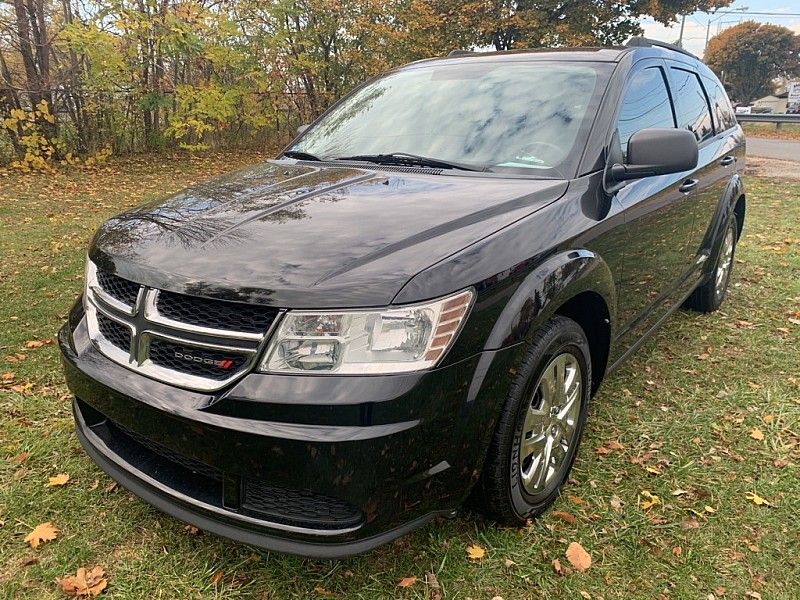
(504,116)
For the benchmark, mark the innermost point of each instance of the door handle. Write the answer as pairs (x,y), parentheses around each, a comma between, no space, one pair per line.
(688,186)
(727,161)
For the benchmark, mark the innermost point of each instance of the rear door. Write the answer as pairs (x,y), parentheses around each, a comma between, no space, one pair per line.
(716,161)
(658,212)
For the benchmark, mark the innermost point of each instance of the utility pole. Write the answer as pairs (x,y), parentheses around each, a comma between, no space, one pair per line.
(680,37)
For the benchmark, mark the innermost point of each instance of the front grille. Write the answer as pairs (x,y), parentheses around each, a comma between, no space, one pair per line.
(117,334)
(118,288)
(196,343)
(200,362)
(215,314)
(301,508)
(195,466)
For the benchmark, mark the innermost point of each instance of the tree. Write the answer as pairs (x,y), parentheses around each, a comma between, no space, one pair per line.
(508,24)
(750,55)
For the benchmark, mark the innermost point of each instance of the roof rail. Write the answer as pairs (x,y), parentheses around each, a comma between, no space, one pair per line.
(643,42)
(459,52)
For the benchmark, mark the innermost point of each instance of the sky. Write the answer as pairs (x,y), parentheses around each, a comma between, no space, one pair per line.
(694,33)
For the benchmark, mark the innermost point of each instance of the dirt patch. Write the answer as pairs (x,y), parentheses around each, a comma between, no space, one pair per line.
(770,167)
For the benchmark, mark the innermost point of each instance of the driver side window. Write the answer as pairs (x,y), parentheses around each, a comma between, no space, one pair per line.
(646,104)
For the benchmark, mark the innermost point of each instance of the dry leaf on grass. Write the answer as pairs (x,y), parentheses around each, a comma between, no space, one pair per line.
(758,500)
(475,552)
(578,557)
(58,480)
(406,582)
(44,532)
(217,577)
(756,434)
(648,500)
(564,516)
(84,584)
(557,566)
(31,344)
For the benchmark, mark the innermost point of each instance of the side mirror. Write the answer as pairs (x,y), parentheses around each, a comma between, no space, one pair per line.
(302,128)
(657,151)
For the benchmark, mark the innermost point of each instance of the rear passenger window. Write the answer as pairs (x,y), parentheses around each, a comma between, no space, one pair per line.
(691,104)
(724,117)
(645,104)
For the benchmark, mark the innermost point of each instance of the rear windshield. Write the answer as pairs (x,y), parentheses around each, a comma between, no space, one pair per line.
(529,118)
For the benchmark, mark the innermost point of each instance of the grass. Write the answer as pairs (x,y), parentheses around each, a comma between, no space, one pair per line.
(787,131)
(683,408)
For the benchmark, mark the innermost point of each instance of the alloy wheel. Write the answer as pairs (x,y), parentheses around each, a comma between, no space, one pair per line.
(550,425)
(724,263)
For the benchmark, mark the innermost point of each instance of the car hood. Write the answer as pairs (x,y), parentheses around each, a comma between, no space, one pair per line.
(286,234)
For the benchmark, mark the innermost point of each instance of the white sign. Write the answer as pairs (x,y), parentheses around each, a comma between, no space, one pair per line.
(743,110)
(794,91)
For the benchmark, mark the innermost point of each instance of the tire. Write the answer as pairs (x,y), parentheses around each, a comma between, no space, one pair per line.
(710,296)
(515,487)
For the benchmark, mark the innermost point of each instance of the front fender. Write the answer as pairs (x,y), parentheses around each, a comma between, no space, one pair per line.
(541,293)
(547,287)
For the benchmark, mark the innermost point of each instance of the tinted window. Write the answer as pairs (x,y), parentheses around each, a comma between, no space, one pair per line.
(724,117)
(646,104)
(507,116)
(692,105)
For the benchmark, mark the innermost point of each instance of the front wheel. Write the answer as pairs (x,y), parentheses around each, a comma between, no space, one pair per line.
(709,296)
(540,427)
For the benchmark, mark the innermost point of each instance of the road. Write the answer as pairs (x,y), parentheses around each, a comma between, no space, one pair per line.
(770,148)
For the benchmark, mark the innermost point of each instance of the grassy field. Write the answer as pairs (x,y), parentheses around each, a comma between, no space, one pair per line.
(706,417)
(787,131)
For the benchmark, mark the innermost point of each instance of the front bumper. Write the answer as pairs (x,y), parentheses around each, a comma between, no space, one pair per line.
(318,466)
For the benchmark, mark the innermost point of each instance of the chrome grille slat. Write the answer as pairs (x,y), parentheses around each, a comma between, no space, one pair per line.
(191,355)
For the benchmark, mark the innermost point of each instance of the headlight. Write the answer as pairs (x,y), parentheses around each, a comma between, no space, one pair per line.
(393,340)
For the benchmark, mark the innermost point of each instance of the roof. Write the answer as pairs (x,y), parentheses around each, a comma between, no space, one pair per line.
(581,53)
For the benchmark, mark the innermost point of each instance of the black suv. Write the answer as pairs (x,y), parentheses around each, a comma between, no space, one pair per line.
(413,303)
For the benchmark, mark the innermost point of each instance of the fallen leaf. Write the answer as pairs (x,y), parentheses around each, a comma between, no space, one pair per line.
(406,582)
(576,500)
(509,563)
(84,583)
(475,552)
(29,560)
(616,503)
(677,551)
(758,500)
(31,344)
(650,500)
(191,530)
(680,492)
(323,592)
(768,419)
(755,595)
(756,434)
(58,480)
(779,463)
(690,523)
(557,566)
(586,595)
(564,516)
(433,584)
(44,532)
(709,509)
(217,577)
(578,557)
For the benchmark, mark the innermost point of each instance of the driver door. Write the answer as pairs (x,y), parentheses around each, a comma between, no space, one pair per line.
(657,213)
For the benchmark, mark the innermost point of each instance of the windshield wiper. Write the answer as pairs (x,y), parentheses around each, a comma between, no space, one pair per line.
(300,155)
(405,159)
